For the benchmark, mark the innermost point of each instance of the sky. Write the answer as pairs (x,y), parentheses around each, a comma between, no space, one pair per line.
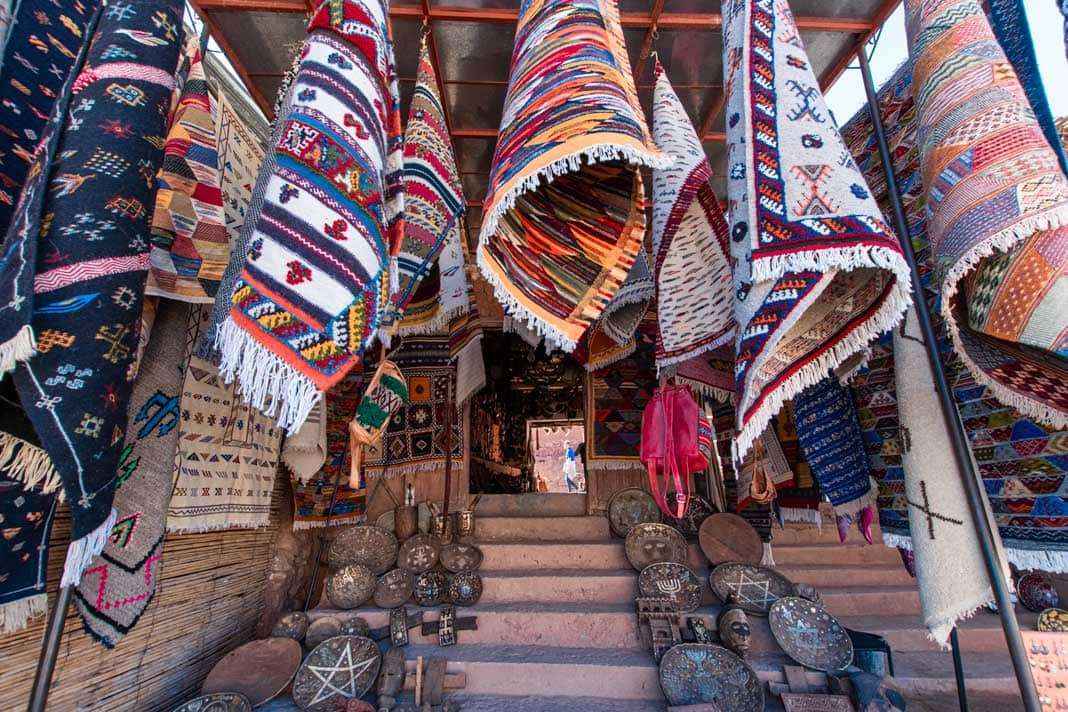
(1047,30)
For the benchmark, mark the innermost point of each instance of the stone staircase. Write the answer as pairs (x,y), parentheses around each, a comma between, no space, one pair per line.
(557,626)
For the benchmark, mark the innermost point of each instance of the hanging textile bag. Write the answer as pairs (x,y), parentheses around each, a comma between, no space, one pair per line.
(384,396)
(669,446)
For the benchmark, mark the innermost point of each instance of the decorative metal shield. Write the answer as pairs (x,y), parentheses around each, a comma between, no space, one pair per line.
(653,544)
(753,588)
(420,553)
(696,513)
(394,588)
(259,670)
(630,507)
(364,544)
(674,580)
(218,702)
(343,667)
(728,537)
(321,629)
(465,588)
(351,586)
(431,588)
(810,635)
(695,673)
(461,557)
(292,625)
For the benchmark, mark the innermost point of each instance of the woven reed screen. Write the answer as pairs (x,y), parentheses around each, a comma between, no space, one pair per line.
(208,602)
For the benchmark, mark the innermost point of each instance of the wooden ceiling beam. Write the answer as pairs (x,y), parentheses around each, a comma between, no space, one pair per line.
(847,55)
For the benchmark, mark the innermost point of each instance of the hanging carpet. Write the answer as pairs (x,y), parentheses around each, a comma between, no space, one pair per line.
(465,347)
(565,211)
(694,298)
(711,374)
(818,274)
(998,205)
(190,245)
(1021,461)
(314,501)
(119,584)
(315,280)
(623,314)
(79,241)
(304,451)
(39,57)
(222,439)
(797,501)
(240,155)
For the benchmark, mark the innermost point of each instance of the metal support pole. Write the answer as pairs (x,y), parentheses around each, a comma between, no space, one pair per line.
(984,528)
(958,671)
(46,664)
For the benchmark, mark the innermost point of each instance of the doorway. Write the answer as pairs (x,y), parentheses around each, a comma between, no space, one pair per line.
(558,449)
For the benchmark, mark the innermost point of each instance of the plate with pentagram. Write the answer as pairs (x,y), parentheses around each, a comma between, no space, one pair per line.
(701,674)
(364,544)
(653,543)
(259,670)
(671,580)
(341,668)
(754,588)
(630,507)
(419,553)
(810,635)
(217,702)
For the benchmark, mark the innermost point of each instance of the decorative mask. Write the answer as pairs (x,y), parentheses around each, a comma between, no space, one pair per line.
(734,630)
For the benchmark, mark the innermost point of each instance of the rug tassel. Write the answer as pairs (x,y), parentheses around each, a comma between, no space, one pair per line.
(16,615)
(81,552)
(767,558)
(20,347)
(28,464)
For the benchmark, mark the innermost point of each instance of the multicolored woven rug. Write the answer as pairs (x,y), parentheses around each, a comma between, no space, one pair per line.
(79,240)
(27,518)
(711,374)
(565,211)
(1021,461)
(221,439)
(827,428)
(117,587)
(694,296)
(616,396)
(312,499)
(190,245)
(40,55)
(434,200)
(240,154)
(818,274)
(623,314)
(315,247)
(998,205)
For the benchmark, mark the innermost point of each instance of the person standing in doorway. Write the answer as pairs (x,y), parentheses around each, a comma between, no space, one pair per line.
(569,468)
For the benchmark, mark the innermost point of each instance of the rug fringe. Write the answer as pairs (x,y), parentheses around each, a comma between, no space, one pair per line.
(433,327)
(265,381)
(592,366)
(202,528)
(333,522)
(16,615)
(81,552)
(28,464)
(767,556)
(395,471)
(1004,242)
(938,630)
(554,338)
(722,340)
(601,465)
(1055,562)
(20,347)
(799,514)
(886,318)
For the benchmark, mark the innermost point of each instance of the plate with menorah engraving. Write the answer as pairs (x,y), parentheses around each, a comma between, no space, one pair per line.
(669,579)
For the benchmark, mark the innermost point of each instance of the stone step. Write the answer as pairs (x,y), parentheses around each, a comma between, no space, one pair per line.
(549,504)
(842,555)
(826,576)
(561,529)
(981,633)
(589,555)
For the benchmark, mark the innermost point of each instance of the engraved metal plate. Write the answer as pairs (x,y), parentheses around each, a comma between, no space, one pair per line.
(370,546)
(431,588)
(465,588)
(674,580)
(630,507)
(321,629)
(728,537)
(398,626)
(394,588)
(655,543)
(343,667)
(810,635)
(351,586)
(695,673)
(419,554)
(696,513)
(292,625)
(461,557)
(259,670)
(218,702)
(447,627)
(753,588)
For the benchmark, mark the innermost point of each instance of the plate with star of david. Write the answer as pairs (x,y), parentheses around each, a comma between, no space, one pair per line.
(754,588)
(341,668)
(810,635)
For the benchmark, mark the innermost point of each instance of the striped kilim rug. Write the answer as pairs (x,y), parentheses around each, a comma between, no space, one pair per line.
(691,248)
(818,274)
(314,284)
(998,206)
(565,211)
